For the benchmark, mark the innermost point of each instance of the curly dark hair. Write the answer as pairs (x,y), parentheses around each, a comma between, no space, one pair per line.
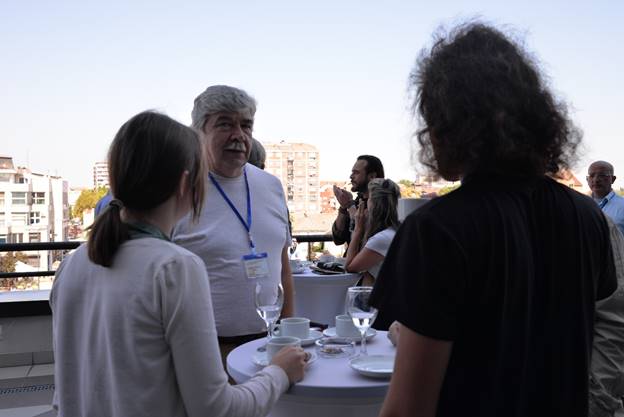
(486,108)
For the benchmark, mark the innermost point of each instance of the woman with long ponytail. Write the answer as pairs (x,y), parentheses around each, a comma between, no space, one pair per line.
(133,325)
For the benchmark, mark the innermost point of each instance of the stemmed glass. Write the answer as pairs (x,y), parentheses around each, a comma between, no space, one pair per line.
(269,299)
(361,312)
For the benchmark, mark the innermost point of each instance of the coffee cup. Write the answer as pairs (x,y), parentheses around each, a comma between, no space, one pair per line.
(295,327)
(345,326)
(280,342)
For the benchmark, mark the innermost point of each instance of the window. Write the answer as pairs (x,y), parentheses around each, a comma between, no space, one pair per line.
(3,238)
(1,198)
(34,217)
(21,180)
(5,177)
(18,198)
(17,238)
(34,237)
(38,198)
(18,219)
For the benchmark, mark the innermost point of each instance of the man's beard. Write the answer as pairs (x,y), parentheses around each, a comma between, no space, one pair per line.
(359,188)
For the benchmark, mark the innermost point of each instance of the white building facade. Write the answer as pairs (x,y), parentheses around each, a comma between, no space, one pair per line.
(33,208)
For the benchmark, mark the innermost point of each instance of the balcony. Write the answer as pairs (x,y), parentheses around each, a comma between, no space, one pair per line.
(26,354)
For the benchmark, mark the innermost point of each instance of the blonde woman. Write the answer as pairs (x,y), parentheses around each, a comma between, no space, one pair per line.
(376,223)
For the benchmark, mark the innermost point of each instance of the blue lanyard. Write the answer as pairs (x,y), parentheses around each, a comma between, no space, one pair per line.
(604,202)
(246,224)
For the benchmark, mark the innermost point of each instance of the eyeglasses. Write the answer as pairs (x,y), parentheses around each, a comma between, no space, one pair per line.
(598,176)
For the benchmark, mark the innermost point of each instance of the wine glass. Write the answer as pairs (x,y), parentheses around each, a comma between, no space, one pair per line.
(361,312)
(269,298)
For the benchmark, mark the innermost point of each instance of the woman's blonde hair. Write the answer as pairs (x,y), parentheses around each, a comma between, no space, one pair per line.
(385,195)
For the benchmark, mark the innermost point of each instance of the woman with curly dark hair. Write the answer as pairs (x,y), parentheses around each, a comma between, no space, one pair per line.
(494,284)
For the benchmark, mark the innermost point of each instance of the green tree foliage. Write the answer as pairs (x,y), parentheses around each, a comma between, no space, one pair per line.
(408,189)
(8,261)
(446,190)
(87,200)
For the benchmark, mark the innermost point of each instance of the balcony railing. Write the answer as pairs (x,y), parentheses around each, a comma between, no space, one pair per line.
(12,305)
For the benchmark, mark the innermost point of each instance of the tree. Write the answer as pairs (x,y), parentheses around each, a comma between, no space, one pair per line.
(446,190)
(7,264)
(8,261)
(408,189)
(87,200)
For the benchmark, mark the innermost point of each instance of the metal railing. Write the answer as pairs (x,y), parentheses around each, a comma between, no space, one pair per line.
(41,307)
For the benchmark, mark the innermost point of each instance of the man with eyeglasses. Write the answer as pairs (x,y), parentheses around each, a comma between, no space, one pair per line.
(600,179)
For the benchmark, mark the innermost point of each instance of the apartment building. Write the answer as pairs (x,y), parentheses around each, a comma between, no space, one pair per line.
(100,175)
(33,208)
(297,167)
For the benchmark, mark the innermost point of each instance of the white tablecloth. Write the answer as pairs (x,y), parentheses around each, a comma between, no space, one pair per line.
(321,297)
(330,387)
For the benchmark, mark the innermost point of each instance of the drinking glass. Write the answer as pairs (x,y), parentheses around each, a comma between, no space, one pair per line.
(361,312)
(269,299)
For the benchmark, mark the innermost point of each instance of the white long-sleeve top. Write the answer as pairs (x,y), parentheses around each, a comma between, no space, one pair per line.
(139,339)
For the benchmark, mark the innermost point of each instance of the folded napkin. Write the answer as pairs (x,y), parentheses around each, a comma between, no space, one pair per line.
(331,266)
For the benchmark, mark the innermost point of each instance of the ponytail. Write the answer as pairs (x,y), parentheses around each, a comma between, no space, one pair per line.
(146,160)
(106,234)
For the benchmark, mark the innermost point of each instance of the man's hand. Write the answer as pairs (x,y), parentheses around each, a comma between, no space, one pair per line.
(344,197)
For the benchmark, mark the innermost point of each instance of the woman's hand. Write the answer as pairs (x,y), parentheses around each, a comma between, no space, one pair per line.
(361,215)
(293,361)
(393,332)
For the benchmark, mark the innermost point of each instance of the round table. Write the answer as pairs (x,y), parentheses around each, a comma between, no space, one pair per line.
(321,297)
(330,387)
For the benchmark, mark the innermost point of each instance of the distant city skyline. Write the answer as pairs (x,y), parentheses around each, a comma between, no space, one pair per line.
(98,177)
(330,74)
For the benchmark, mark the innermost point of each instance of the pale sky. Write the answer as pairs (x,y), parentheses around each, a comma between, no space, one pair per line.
(329,73)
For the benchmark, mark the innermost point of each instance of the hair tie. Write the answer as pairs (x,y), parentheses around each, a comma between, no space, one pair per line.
(116,203)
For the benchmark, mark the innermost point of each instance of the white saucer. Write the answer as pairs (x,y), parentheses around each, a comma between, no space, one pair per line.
(375,366)
(313,336)
(260,358)
(370,333)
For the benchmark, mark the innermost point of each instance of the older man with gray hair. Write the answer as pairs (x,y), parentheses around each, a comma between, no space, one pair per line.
(242,234)
(600,178)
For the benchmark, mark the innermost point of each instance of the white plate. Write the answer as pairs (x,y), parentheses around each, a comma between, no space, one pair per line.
(376,366)
(313,336)
(260,358)
(370,333)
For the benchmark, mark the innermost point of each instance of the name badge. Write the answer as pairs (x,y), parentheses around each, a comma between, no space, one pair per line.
(256,265)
